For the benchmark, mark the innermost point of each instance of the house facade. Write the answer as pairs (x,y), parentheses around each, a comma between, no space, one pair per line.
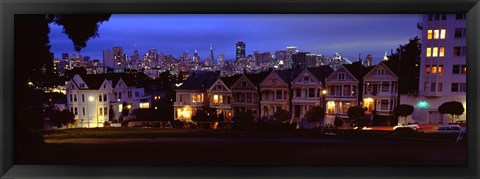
(307,90)
(380,90)
(246,94)
(90,98)
(343,89)
(275,93)
(220,96)
(192,95)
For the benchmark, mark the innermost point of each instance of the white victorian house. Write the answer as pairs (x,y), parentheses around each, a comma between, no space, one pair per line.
(90,98)
(380,86)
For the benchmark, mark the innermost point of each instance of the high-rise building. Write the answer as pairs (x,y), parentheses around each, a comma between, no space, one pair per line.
(152,53)
(311,60)
(211,54)
(221,60)
(196,58)
(299,60)
(118,56)
(240,49)
(442,68)
(65,56)
(290,51)
(108,58)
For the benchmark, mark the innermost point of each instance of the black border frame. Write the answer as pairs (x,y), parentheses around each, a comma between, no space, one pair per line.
(8,8)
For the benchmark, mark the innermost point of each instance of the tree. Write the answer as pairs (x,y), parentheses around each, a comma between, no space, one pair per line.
(403,110)
(315,114)
(207,114)
(244,116)
(282,115)
(111,114)
(356,113)
(453,108)
(407,58)
(61,118)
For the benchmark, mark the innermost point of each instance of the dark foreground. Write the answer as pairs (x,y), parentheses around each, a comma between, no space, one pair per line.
(241,151)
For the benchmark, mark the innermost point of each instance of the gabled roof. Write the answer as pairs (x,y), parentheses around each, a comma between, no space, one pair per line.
(199,81)
(357,70)
(229,81)
(382,63)
(95,81)
(322,72)
(256,79)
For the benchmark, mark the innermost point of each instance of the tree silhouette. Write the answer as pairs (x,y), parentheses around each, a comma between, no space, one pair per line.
(315,114)
(453,108)
(406,58)
(282,115)
(356,113)
(403,110)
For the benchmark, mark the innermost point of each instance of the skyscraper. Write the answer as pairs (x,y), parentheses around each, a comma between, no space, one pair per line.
(240,49)
(299,60)
(290,51)
(118,56)
(211,54)
(442,68)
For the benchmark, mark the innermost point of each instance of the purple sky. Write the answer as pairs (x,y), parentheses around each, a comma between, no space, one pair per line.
(174,34)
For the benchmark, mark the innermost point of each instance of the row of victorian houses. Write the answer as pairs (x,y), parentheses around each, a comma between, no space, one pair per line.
(295,90)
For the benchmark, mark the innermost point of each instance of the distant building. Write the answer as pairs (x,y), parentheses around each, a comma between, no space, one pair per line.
(240,50)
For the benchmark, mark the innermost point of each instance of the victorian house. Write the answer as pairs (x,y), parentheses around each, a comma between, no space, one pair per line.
(344,88)
(246,94)
(307,90)
(380,86)
(275,92)
(220,94)
(91,98)
(192,96)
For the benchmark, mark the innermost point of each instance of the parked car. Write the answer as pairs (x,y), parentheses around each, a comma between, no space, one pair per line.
(451,128)
(407,127)
(461,123)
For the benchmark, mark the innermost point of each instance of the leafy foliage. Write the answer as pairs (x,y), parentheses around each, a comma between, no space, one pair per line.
(403,110)
(282,115)
(207,114)
(355,112)
(315,114)
(452,108)
(60,118)
(407,58)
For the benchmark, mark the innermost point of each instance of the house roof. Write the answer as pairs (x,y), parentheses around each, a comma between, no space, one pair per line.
(199,81)
(94,81)
(256,79)
(357,70)
(321,72)
(229,81)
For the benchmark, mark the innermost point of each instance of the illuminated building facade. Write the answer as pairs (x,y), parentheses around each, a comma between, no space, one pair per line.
(240,50)
(220,96)
(90,98)
(442,68)
(380,90)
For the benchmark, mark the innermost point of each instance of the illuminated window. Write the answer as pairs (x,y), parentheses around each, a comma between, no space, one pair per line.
(427,69)
(145,105)
(220,99)
(429,34)
(429,52)
(120,107)
(464,69)
(442,33)
(436,33)
(440,69)
(215,99)
(442,52)
(435,52)
(434,69)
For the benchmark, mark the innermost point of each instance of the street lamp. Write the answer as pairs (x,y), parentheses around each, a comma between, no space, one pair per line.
(324,94)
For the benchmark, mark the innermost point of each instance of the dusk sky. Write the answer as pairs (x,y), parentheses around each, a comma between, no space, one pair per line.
(348,35)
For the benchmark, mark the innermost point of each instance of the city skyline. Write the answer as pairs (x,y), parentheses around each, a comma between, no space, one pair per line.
(321,34)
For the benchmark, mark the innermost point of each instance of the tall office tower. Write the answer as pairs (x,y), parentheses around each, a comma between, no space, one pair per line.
(184,59)
(221,60)
(290,51)
(196,58)
(118,56)
(442,67)
(211,54)
(152,53)
(299,60)
(256,56)
(311,60)
(368,61)
(240,49)
(135,57)
(108,59)
(280,56)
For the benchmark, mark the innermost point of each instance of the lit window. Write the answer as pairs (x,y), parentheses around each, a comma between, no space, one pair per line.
(442,52)
(442,33)
(120,107)
(464,69)
(429,52)
(434,69)
(436,34)
(440,69)
(427,69)
(145,105)
(215,99)
(435,52)
(429,34)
